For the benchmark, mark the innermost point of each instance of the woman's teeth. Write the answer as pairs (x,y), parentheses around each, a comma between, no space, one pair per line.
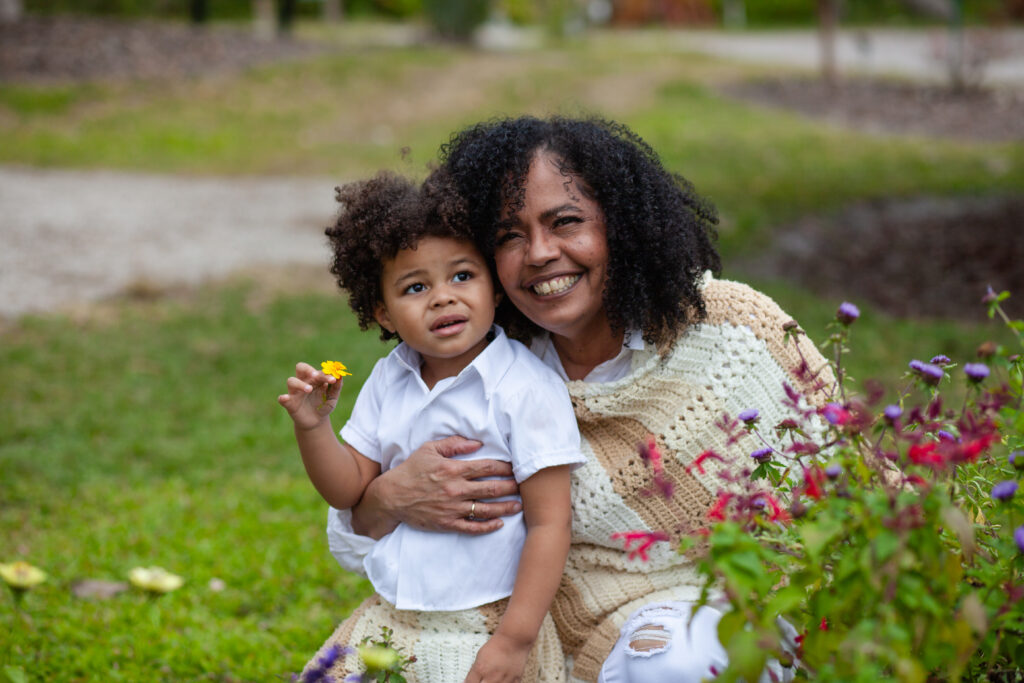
(559,284)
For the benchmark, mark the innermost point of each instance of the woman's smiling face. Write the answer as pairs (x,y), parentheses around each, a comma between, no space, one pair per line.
(552,255)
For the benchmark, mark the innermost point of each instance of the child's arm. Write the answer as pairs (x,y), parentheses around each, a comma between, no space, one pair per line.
(546,508)
(338,472)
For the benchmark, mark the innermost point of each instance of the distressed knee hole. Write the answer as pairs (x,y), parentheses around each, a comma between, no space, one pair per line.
(649,639)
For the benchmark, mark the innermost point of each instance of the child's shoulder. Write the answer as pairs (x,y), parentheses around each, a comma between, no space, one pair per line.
(527,371)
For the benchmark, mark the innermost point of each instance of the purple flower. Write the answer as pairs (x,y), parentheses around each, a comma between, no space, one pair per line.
(1017,460)
(1004,490)
(318,673)
(945,436)
(931,374)
(847,313)
(833,470)
(749,415)
(762,454)
(940,359)
(1018,538)
(893,412)
(976,371)
(836,414)
(990,296)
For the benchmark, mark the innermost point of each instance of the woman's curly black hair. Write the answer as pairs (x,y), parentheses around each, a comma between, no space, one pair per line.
(378,218)
(660,231)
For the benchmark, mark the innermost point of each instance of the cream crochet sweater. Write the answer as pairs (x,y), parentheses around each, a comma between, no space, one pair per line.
(734,360)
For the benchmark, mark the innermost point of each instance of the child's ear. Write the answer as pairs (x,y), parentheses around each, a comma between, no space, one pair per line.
(380,313)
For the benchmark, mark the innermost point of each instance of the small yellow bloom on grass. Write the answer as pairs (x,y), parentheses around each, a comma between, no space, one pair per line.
(21,575)
(155,579)
(335,369)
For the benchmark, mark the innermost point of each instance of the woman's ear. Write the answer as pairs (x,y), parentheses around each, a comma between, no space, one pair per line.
(380,313)
(497,298)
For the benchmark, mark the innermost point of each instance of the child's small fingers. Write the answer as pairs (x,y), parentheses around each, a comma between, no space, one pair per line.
(297,386)
(305,371)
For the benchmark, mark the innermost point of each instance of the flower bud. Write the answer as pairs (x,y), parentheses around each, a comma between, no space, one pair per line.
(987,349)
(847,313)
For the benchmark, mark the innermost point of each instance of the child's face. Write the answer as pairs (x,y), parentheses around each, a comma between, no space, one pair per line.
(439,298)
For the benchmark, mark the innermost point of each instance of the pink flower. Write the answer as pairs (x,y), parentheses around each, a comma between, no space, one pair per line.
(925,454)
(717,511)
(698,464)
(813,479)
(836,414)
(646,539)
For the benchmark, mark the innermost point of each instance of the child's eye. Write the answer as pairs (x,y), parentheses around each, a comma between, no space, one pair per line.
(414,288)
(463,276)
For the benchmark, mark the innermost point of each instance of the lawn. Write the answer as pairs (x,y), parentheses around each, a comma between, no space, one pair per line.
(146,432)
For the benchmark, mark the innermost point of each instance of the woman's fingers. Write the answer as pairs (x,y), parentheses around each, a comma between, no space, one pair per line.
(454,445)
(503,508)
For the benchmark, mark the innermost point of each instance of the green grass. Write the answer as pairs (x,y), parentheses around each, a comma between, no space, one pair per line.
(146,433)
(151,436)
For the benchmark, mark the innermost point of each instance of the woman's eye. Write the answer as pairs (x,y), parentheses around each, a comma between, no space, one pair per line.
(414,288)
(463,276)
(505,237)
(562,221)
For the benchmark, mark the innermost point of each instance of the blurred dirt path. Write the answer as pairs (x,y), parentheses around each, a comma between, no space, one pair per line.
(72,237)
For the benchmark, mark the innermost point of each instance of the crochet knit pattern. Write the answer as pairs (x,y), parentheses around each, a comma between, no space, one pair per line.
(733,361)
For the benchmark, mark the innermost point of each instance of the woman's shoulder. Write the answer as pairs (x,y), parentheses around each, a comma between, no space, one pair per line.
(738,303)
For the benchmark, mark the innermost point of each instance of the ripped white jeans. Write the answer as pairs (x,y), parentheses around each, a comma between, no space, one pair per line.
(657,644)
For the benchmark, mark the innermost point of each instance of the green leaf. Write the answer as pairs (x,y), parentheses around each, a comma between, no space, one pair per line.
(785,600)
(819,534)
(15,674)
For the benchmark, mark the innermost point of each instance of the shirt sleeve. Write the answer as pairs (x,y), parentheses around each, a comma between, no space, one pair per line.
(360,431)
(347,547)
(542,429)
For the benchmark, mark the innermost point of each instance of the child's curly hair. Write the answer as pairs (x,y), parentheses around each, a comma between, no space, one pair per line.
(378,218)
(660,231)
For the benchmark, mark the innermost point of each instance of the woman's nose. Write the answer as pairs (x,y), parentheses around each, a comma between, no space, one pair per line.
(542,249)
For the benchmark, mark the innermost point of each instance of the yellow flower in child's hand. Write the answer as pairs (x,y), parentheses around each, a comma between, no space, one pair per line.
(155,579)
(21,575)
(335,369)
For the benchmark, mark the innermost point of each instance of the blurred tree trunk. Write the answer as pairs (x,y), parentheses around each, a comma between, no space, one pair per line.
(734,13)
(828,23)
(263,18)
(198,11)
(957,49)
(333,11)
(285,16)
(10,11)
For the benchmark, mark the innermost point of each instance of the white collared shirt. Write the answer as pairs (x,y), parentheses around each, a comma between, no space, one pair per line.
(608,371)
(505,398)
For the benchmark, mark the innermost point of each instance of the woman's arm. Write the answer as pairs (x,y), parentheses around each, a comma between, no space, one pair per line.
(432,491)
(547,510)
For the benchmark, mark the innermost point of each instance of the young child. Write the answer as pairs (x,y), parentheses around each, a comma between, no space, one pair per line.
(454,372)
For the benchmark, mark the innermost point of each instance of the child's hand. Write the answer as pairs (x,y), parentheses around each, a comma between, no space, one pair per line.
(500,660)
(311,396)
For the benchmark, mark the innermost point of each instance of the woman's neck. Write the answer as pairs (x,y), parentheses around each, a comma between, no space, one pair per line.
(579,355)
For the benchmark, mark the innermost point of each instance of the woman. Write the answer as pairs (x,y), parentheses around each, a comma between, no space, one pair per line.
(606,263)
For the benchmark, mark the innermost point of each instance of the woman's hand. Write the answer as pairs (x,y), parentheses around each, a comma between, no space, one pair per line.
(434,492)
(500,660)
(311,396)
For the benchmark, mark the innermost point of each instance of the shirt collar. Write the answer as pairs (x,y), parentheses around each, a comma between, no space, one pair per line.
(610,370)
(490,365)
